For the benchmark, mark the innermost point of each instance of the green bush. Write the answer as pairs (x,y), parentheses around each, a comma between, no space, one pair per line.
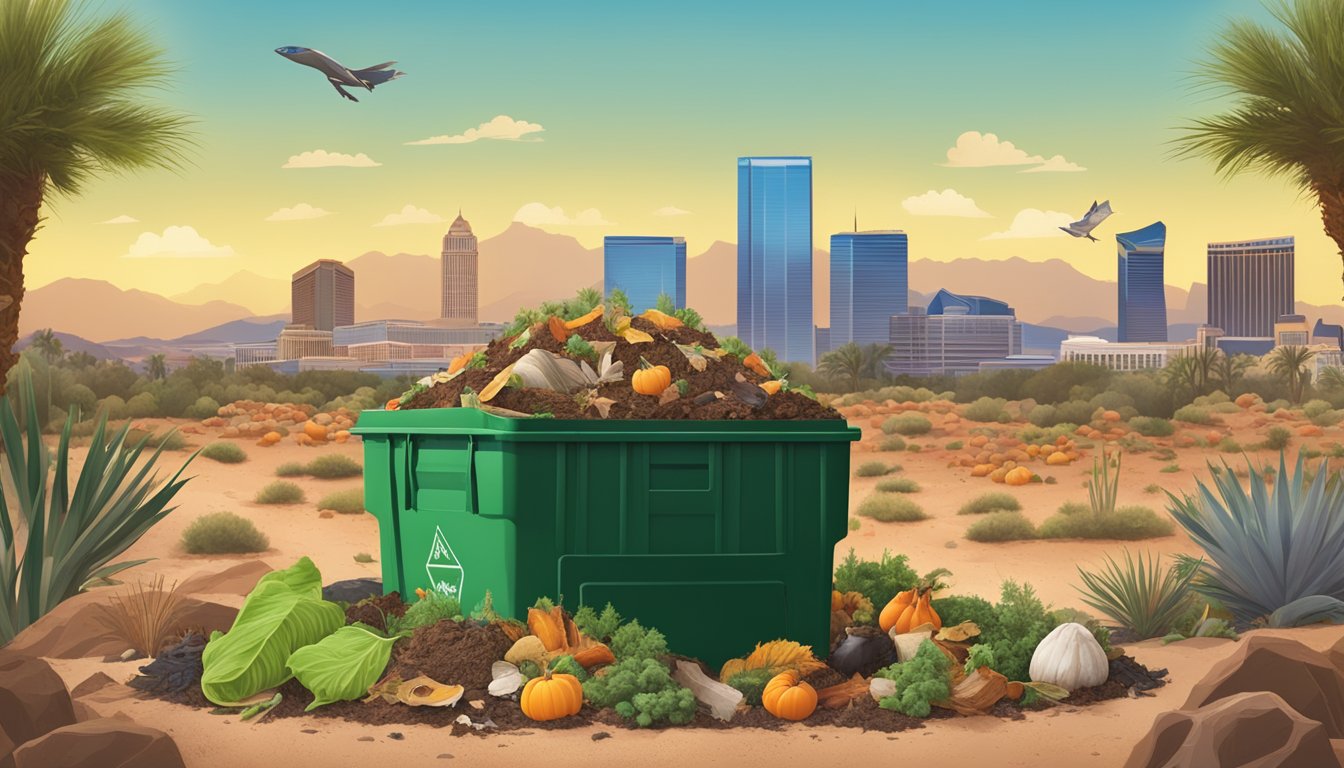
(987,409)
(142,406)
(349,502)
(333,466)
(892,443)
(1328,419)
(1151,426)
(1193,414)
(1313,408)
(1001,526)
(203,408)
(955,609)
(280,492)
(1022,621)
(1229,445)
(994,501)
(290,469)
(225,452)
(1278,438)
(168,441)
(1043,416)
(955,445)
(872,469)
(907,424)
(898,485)
(1170,469)
(878,580)
(891,509)
(223,533)
(1076,521)
(1074,412)
(854,523)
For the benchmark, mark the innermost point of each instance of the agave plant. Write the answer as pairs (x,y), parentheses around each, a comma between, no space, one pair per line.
(1139,595)
(1103,490)
(1277,556)
(70,536)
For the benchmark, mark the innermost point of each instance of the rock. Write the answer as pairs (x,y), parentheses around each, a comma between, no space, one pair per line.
(76,630)
(1304,678)
(352,590)
(103,743)
(235,580)
(1336,655)
(33,700)
(96,682)
(1249,730)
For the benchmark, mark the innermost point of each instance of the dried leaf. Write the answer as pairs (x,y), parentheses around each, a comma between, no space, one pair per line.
(669,394)
(529,648)
(635,336)
(663,320)
(558,330)
(960,633)
(1047,690)
(775,656)
(514,630)
(592,315)
(426,692)
(977,693)
(460,362)
(602,405)
(722,700)
(839,696)
(385,689)
(496,384)
(621,324)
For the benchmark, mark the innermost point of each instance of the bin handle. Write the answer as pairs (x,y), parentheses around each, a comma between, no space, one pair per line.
(471,475)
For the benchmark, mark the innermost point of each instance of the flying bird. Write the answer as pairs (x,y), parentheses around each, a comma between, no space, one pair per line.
(337,74)
(1094,216)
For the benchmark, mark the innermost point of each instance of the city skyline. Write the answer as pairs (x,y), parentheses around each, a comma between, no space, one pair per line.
(967,176)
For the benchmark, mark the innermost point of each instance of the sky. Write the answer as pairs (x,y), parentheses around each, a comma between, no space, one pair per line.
(627,118)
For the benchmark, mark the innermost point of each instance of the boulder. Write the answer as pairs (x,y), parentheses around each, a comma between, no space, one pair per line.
(33,700)
(92,684)
(1336,655)
(1303,677)
(76,629)
(234,580)
(1249,730)
(352,590)
(107,742)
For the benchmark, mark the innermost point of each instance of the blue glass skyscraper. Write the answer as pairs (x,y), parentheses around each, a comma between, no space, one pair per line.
(870,282)
(645,267)
(1142,297)
(774,256)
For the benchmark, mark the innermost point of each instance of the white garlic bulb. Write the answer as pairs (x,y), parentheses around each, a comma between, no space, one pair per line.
(1071,658)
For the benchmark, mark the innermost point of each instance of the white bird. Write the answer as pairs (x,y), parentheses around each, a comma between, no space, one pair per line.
(1094,216)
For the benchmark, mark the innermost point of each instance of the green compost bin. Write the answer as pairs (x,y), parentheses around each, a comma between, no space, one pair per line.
(719,533)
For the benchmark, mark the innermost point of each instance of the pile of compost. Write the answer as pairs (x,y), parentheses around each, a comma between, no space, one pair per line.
(707,382)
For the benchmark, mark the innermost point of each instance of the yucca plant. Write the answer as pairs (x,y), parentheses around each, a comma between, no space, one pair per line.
(70,536)
(1139,594)
(1276,556)
(1104,488)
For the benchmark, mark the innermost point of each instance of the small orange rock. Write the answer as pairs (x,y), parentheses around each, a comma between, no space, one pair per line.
(1310,430)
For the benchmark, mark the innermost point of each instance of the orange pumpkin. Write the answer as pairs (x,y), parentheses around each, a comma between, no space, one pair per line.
(756,364)
(771,387)
(551,697)
(651,379)
(788,697)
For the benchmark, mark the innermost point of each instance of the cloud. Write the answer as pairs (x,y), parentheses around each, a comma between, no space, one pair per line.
(321,158)
(409,214)
(176,243)
(122,219)
(671,210)
(1056,164)
(983,150)
(501,128)
(1031,222)
(298,213)
(949,202)
(539,214)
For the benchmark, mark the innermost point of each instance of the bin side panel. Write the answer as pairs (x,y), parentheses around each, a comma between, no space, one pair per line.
(380,500)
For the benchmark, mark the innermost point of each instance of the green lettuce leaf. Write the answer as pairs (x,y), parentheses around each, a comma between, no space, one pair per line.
(283,613)
(342,666)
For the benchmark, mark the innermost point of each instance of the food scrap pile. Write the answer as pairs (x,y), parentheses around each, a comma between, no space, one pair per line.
(606,364)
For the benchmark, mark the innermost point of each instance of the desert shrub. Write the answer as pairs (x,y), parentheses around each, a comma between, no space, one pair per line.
(168,441)
(1110,400)
(1151,426)
(1229,445)
(203,408)
(225,452)
(1077,521)
(955,445)
(1193,414)
(290,469)
(1021,622)
(1042,436)
(854,523)
(913,448)
(81,396)
(892,443)
(891,509)
(1139,595)
(878,580)
(223,533)
(1328,419)
(907,424)
(145,617)
(363,557)
(1225,408)
(348,502)
(1148,395)
(1313,408)
(280,492)
(987,409)
(1043,416)
(898,485)
(1152,488)
(333,466)
(1074,412)
(1001,526)
(142,406)
(1277,405)
(994,501)
(872,469)
(1278,438)
(1065,381)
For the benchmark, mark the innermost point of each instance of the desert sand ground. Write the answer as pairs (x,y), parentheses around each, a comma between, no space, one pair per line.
(1100,735)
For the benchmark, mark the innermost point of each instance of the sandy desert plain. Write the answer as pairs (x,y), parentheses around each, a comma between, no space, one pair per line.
(1098,735)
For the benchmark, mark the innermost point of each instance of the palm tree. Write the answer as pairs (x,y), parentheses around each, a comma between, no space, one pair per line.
(1287,87)
(846,362)
(1204,361)
(1290,364)
(73,90)
(1181,373)
(875,360)
(1332,378)
(157,367)
(48,346)
(1230,370)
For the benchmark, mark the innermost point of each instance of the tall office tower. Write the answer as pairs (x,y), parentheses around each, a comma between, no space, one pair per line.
(953,336)
(644,267)
(322,295)
(1250,285)
(1142,298)
(870,282)
(774,256)
(459,273)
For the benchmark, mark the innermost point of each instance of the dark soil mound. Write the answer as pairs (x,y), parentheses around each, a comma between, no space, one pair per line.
(375,610)
(454,653)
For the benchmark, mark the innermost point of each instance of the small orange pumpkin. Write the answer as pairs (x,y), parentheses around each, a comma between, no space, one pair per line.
(756,364)
(651,379)
(789,698)
(551,697)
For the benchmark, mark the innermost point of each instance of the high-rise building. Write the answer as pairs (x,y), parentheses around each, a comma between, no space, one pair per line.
(1292,331)
(644,267)
(774,256)
(459,269)
(953,336)
(1250,285)
(869,283)
(322,295)
(1142,298)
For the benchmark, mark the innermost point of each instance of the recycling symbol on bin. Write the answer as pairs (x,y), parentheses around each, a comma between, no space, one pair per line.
(445,570)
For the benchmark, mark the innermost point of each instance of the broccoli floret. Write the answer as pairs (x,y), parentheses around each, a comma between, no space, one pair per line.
(566,665)
(751,683)
(642,690)
(597,627)
(674,705)
(633,641)
(919,682)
